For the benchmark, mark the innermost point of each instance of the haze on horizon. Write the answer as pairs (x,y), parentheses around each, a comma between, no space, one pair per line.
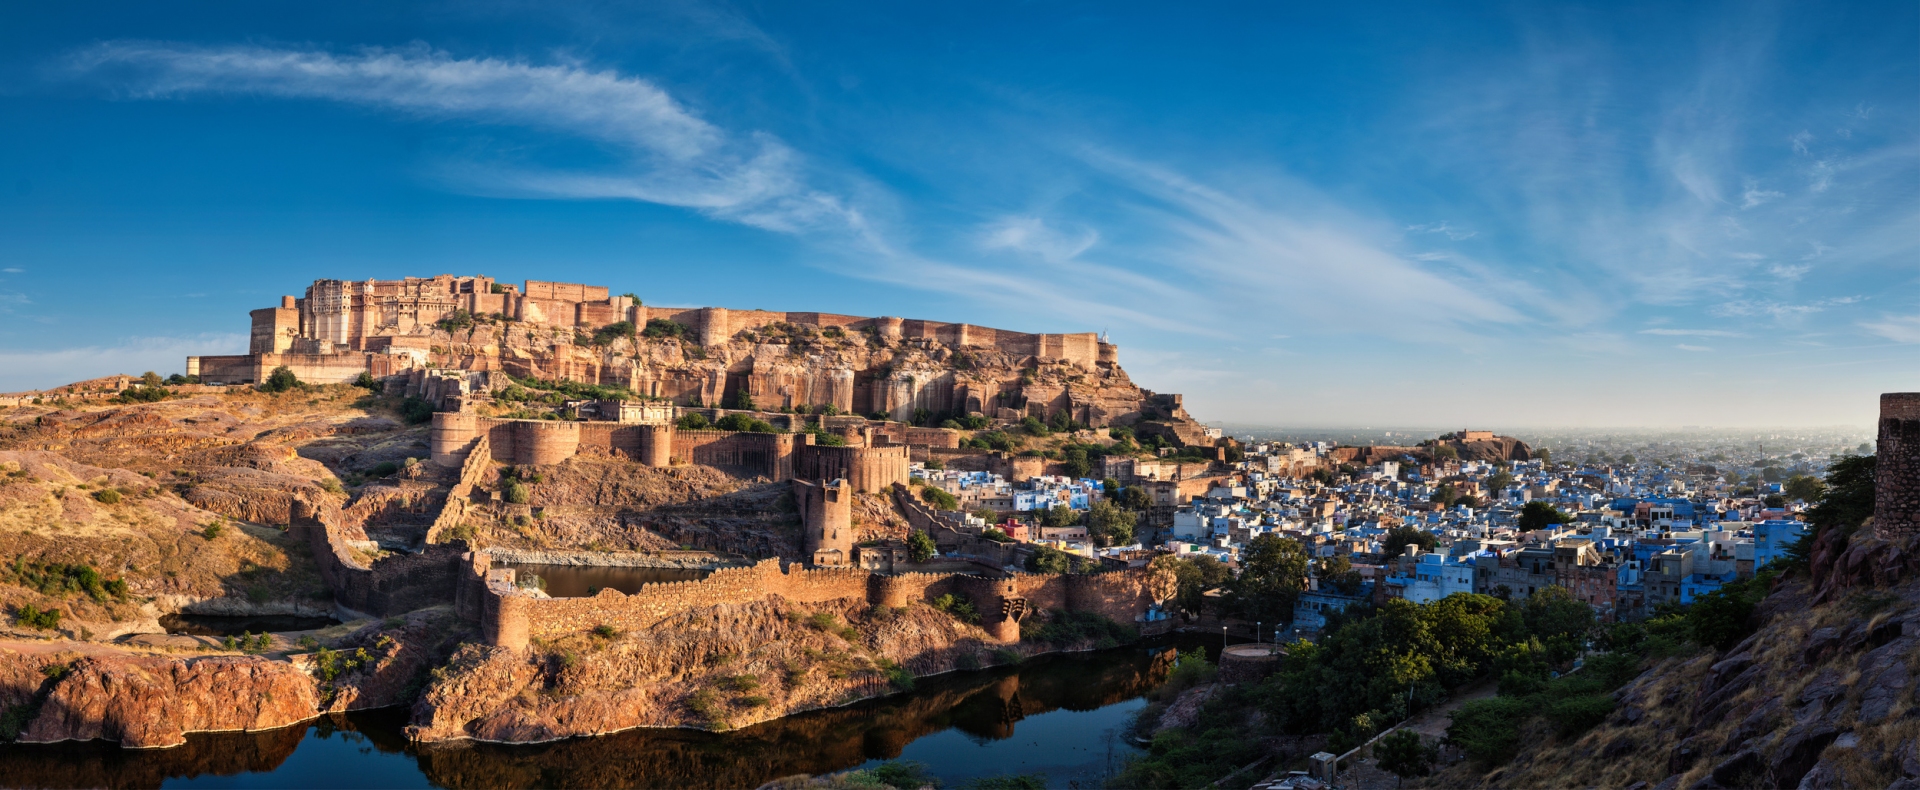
(1577,215)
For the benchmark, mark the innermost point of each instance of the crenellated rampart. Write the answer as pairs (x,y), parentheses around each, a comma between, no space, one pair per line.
(512,617)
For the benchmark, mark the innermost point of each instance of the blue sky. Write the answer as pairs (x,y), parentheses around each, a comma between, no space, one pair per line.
(1502,215)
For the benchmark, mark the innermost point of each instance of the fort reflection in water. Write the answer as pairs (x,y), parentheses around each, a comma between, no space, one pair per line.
(368,748)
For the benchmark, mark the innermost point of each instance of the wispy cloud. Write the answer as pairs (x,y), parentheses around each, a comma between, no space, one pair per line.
(1033,235)
(1691,333)
(1753,195)
(1899,329)
(1443,227)
(13,270)
(1686,347)
(1263,240)
(665,153)
(20,370)
(1779,310)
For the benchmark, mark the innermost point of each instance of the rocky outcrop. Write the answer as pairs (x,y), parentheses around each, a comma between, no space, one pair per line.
(152,701)
(715,668)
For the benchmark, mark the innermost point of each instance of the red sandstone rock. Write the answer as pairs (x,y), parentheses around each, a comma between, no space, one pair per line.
(149,701)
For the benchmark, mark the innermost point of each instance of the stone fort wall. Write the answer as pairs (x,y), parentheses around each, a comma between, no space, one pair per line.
(512,618)
(1896,495)
(776,456)
(393,585)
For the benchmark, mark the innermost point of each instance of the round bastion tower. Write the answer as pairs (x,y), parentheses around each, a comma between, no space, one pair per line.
(544,443)
(656,445)
(452,436)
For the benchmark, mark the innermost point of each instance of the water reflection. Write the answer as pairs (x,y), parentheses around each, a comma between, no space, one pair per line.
(369,749)
(580,581)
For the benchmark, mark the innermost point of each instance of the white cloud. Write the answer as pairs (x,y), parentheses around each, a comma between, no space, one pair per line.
(669,155)
(1800,141)
(1899,329)
(1451,232)
(1690,333)
(13,270)
(1261,241)
(1685,347)
(24,370)
(1754,195)
(1034,236)
(1779,310)
(1821,176)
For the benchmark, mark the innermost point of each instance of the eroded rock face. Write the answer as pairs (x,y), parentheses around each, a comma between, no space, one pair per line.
(153,701)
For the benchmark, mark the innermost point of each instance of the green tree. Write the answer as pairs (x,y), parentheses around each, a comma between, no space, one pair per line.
(1445,452)
(939,499)
(741,400)
(1273,572)
(1848,499)
(516,493)
(1805,488)
(1442,496)
(1060,516)
(1337,571)
(1110,525)
(280,380)
(151,379)
(920,546)
(1560,621)
(604,336)
(1032,425)
(1498,482)
(1047,559)
(1399,538)
(1540,515)
(1075,459)
(1403,754)
(662,328)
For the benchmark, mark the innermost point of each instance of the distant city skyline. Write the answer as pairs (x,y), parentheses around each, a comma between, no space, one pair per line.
(1602,215)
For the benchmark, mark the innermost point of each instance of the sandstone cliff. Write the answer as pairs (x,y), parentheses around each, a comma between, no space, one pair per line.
(147,700)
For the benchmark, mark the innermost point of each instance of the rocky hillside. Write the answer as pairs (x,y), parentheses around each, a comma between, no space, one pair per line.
(116,514)
(1822,695)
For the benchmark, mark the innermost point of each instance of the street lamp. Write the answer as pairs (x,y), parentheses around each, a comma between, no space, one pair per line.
(1223,641)
(1256,632)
